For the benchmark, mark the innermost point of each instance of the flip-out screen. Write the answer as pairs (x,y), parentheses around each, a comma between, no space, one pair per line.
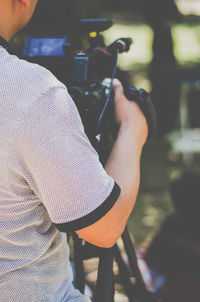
(44,46)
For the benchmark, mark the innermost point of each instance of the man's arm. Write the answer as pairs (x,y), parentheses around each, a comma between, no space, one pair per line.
(58,163)
(123,165)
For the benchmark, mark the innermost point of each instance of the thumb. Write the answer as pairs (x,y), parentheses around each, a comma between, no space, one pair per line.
(118,89)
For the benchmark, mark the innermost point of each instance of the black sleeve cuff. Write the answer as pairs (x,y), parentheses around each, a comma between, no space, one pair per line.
(94,216)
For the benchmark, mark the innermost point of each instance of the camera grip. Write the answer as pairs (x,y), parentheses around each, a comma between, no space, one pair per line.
(145,103)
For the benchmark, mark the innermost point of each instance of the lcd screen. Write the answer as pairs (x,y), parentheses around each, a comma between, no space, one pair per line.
(44,46)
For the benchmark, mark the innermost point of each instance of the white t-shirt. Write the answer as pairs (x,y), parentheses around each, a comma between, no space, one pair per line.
(49,174)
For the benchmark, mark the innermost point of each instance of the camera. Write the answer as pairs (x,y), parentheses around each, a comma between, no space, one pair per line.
(88,74)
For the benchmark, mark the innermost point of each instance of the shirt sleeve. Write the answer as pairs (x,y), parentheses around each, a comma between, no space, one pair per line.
(60,165)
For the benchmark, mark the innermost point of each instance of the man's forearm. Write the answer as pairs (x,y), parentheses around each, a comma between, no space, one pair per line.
(124,166)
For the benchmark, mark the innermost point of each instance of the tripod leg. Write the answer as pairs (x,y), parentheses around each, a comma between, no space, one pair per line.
(142,293)
(105,280)
(124,274)
(78,263)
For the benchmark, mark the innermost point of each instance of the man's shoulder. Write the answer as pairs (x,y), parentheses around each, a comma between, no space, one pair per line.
(24,86)
(37,76)
(26,80)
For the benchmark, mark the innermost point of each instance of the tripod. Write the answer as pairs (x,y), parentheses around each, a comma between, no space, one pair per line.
(104,291)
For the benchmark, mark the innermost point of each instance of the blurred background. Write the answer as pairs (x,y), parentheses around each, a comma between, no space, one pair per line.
(165,60)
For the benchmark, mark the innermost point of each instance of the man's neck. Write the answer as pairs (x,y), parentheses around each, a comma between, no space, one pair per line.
(5,32)
(7,24)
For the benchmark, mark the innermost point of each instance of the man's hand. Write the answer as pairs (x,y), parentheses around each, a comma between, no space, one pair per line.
(128,114)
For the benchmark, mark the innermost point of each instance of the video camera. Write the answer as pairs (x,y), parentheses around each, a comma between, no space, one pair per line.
(88,75)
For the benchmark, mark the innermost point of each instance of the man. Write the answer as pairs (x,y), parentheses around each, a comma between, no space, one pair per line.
(51,178)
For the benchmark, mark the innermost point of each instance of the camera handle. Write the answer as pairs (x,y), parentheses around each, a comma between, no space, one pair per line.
(144,101)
